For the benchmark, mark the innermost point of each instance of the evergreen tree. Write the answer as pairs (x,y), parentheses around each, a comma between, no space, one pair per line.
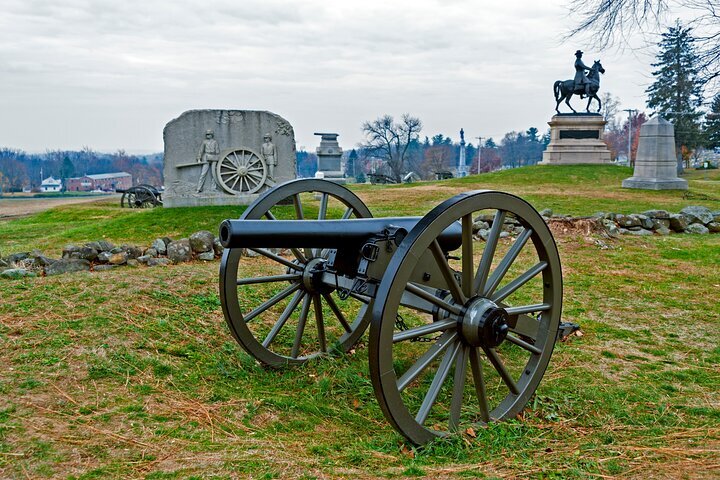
(712,127)
(676,93)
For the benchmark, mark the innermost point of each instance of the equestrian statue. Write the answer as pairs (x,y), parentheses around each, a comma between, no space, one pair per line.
(584,85)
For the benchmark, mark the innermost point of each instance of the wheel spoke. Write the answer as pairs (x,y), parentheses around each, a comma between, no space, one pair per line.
(277,258)
(468,263)
(476,368)
(301,327)
(348,213)
(414,289)
(336,311)
(272,278)
(323,206)
(320,323)
(361,298)
(437,383)
(298,207)
(277,298)
(511,287)
(538,307)
(270,215)
(458,387)
(447,273)
(506,262)
(283,318)
(523,344)
(500,367)
(489,252)
(524,325)
(416,332)
(426,359)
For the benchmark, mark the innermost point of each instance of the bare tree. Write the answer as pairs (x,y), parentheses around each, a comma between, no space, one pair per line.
(613,20)
(391,141)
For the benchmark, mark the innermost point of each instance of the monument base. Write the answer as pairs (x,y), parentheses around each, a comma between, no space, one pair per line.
(645,183)
(576,139)
(207,201)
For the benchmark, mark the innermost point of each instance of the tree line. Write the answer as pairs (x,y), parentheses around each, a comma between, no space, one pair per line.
(20,170)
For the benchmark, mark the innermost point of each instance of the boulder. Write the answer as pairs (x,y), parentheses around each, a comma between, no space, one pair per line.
(67,265)
(144,258)
(105,246)
(697,214)
(639,232)
(627,221)
(68,250)
(119,258)
(95,245)
(697,228)
(483,233)
(104,257)
(132,262)
(116,250)
(133,251)
(611,228)
(484,217)
(679,222)
(217,247)
(714,227)
(663,230)
(480,225)
(716,216)
(179,251)
(150,252)
(42,261)
(84,253)
(161,261)
(660,222)
(658,214)
(104,268)
(160,246)
(202,241)
(546,212)
(17,257)
(645,221)
(16,273)
(207,256)
(610,216)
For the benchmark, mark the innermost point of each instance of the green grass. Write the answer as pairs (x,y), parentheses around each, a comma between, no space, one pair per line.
(132,373)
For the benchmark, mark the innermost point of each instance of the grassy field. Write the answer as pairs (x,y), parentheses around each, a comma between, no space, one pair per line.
(132,373)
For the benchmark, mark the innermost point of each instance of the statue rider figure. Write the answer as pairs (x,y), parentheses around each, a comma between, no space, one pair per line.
(581,81)
(207,155)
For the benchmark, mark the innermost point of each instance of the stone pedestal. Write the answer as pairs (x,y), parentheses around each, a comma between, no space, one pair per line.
(655,164)
(329,156)
(576,138)
(225,157)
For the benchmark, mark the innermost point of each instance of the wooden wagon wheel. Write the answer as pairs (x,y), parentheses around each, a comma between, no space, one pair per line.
(241,171)
(270,302)
(497,311)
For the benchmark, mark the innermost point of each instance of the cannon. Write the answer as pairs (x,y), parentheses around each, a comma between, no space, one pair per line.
(463,305)
(140,196)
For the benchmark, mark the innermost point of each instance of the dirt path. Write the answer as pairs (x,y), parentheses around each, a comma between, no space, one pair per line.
(19,207)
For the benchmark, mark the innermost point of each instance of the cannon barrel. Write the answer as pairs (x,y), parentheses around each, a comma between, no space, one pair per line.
(340,234)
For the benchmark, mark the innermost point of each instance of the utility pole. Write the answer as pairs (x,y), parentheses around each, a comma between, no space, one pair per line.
(630,112)
(480,139)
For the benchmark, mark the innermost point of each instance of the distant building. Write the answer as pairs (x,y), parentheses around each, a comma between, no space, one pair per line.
(51,185)
(106,182)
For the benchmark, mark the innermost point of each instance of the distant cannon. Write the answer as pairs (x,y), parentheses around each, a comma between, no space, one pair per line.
(140,196)
(461,328)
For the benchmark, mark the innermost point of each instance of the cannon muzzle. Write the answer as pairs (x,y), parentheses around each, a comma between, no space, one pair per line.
(337,234)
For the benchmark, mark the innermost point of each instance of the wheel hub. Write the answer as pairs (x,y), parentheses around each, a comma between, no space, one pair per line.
(312,276)
(484,323)
(242,170)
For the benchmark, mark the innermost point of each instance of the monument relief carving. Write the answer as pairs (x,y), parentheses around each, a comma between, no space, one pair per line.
(235,151)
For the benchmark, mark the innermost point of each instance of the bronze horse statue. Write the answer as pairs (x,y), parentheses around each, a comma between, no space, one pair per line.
(565,89)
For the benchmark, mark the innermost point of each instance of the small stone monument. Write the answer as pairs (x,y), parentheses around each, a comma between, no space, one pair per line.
(576,138)
(329,156)
(225,157)
(655,164)
(462,164)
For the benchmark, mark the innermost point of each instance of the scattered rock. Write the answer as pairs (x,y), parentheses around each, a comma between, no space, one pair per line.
(484,217)
(206,256)
(105,246)
(84,253)
(697,228)
(16,273)
(144,258)
(645,221)
(67,265)
(179,251)
(713,227)
(116,250)
(150,252)
(132,262)
(660,222)
(546,212)
(202,241)
(697,214)
(69,250)
(104,257)
(483,233)
(627,221)
(658,214)
(639,232)
(104,268)
(132,251)
(716,216)
(480,225)
(42,261)
(161,261)
(663,230)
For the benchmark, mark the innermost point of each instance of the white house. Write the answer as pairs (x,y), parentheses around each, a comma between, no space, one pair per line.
(50,185)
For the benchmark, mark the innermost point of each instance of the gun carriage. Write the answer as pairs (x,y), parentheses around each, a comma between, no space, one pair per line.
(463,317)
(140,196)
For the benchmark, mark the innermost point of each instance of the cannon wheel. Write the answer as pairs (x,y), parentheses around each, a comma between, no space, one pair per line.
(419,361)
(140,196)
(274,326)
(241,171)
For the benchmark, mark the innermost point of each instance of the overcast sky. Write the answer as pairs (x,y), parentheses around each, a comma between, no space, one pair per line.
(110,74)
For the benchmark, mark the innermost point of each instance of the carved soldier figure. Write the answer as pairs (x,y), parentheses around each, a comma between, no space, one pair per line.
(207,155)
(581,81)
(269,153)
